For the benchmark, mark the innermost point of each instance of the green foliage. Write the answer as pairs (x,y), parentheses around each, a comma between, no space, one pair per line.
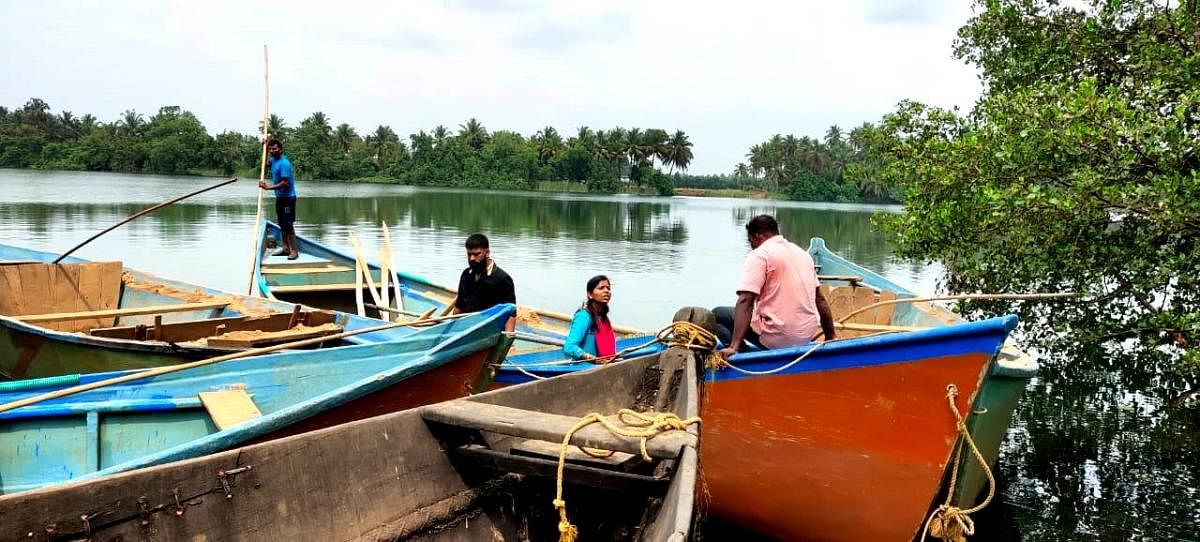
(174,142)
(838,169)
(1077,171)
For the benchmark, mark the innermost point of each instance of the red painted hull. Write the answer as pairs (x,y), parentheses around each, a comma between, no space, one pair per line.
(846,454)
(453,380)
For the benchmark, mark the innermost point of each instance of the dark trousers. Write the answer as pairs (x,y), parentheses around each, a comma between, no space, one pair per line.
(725,327)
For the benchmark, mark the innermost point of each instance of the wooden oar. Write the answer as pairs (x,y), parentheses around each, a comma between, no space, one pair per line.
(366,269)
(387,247)
(262,173)
(245,353)
(141,213)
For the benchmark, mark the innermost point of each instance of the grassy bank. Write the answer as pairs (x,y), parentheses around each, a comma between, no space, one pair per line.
(723,193)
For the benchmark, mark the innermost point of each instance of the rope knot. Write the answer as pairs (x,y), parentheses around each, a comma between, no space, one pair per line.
(951,523)
(639,425)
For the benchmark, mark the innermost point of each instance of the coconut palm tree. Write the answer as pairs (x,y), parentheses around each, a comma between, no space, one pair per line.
(679,151)
(344,137)
(548,143)
(276,128)
(440,135)
(382,143)
(131,124)
(473,133)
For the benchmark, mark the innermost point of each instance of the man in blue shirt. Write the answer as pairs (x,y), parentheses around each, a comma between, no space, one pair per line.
(283,182)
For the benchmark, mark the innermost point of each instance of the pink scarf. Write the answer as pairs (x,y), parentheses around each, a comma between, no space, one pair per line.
(606,340)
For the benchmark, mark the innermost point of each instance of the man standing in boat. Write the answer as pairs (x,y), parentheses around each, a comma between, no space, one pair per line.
(483,284)
(779,302)
(283,182)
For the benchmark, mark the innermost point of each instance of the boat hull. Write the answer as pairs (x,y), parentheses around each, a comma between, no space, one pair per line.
(165,418)
(846,445)
(402,476)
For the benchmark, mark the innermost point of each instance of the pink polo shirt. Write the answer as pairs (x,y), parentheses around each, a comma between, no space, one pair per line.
(785,279)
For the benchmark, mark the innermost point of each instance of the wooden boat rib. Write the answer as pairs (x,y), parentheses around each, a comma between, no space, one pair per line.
(82,317)
(324,278)
(481,468)
(210,408)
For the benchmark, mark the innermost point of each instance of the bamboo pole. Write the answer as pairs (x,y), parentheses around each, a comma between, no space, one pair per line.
(243,354)
(387,246)
(366,269)
(145,211)
(262,174)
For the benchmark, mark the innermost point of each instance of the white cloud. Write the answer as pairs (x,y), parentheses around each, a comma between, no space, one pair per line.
(728,74)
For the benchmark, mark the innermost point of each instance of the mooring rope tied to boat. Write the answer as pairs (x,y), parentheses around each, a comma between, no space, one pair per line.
(950,522)
(645,426)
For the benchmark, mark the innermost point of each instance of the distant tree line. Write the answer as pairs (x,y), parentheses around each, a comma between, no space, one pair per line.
(174,141)
(837,168)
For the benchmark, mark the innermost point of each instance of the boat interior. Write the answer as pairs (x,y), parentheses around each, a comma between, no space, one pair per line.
(100,299)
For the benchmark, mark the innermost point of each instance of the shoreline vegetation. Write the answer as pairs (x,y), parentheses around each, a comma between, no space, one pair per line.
(648,161)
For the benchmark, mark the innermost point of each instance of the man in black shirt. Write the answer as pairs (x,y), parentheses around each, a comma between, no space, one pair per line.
(483,284)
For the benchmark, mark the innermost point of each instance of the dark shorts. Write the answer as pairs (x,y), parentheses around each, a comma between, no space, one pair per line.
(285,212)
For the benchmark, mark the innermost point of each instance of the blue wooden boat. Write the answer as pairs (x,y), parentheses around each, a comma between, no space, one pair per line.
(481,468)
(853,441)
(83,317)
(325,278)
(209,408)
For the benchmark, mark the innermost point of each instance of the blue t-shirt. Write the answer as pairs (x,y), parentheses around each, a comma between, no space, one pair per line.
(282,169)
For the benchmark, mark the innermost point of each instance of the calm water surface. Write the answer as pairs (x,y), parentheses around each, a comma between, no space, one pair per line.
(660,253)
(1086,459)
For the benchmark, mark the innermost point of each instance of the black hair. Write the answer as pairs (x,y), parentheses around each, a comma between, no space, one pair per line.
(271,142)
(599,311)
(477,240)
(762,224)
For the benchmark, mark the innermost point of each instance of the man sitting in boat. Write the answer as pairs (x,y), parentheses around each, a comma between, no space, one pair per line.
(779,303)
(483,284)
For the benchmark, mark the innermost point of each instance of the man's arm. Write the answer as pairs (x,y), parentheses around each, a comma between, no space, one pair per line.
(826,316)
(741,322)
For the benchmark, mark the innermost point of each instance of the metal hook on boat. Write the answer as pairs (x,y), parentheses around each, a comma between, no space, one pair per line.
(223,474)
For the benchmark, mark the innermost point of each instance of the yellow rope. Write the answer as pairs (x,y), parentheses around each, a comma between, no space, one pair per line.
(950,522)
(645,426)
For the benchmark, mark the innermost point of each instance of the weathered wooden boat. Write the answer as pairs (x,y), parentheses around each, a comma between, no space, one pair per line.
(480,468)
(204,409)
(83,317)
(325,278)
(855,440)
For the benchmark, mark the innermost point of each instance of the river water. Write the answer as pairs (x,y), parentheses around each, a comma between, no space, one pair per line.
(1080,470)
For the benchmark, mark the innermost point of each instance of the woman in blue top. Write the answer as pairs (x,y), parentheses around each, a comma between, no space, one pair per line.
(591,334)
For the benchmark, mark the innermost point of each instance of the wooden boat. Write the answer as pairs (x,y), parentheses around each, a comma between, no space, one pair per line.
(325,278)
(481,468)
(854,441)
(209,408)
(84,317)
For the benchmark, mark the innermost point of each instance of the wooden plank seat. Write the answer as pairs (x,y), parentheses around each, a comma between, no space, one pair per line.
(257,339)
(854,280)
(192,330)
(483,458)
(132,311)
(549,427)
(305,270)
(314,288)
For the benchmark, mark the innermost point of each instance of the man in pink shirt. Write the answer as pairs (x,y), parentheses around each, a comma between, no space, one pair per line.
(779,302)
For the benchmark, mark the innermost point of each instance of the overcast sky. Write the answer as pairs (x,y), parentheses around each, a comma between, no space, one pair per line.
(730,74)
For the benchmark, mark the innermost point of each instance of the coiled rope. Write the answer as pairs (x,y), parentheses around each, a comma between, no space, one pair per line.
(639,425)
(950,522)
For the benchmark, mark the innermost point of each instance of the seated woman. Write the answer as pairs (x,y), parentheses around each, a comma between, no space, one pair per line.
(591,334)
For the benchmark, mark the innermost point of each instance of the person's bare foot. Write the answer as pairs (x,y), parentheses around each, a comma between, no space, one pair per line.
(293,256)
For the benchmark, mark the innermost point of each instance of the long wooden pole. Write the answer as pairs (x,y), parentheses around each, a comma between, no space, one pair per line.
(243,354)
(956,298)
(145,211)
(262,173)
